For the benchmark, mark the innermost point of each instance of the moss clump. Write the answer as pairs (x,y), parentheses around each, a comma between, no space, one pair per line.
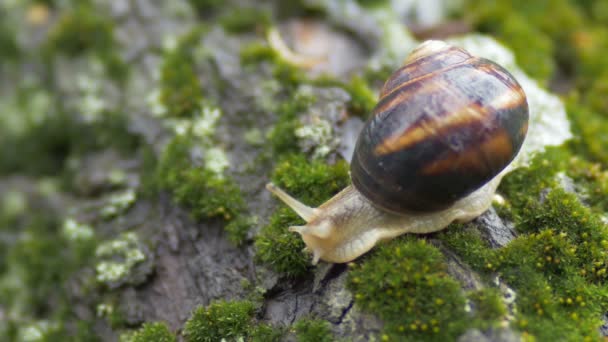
(10,50)
(37,263)
(230,321)
(557,264)
(363,99)
(592,180)
(220,320)
(287,74)
(548,271)
(489,307)
(206,7)
(469,245)
(279,248)
(265,333)
(206,194)
(203,192)
(157,331)
(311,182)
(81,30)
(591,126)
(405,283)
(244,20)
(282,136)
(238,228)
(313,330)
(84,30)
(373,3)
(48,144)
(181,92)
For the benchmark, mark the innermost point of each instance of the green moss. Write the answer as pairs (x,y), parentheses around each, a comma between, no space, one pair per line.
(244,20)
(206,7)
(469,246)
(594,99)
(557,263)
(238,228)
(181,92)
(405,283)
(282,137)
(548,271)
(313,330)
(287,74)
(206,194)
(37,262)
(311,182)
(220,320)
(158,332)
(229,321)
(80,30)
(280,249)
(363,99)
(10,50)
(592,180)
(590,126)
(266,333)
(373,3)
(47,145)
(489,307)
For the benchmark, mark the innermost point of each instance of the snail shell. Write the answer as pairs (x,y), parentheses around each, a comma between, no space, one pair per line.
(446,123)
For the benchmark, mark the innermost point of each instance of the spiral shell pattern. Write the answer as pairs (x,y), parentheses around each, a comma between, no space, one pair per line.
(446,123)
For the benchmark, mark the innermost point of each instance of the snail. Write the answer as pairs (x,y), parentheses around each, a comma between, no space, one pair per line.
(445,131)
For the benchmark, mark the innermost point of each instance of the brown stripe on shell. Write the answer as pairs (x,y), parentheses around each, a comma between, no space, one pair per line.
(425,129)
(402,93)
(466,115)
(477,160)
(414,70)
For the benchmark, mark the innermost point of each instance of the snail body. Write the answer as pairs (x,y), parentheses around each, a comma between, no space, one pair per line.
(441,137)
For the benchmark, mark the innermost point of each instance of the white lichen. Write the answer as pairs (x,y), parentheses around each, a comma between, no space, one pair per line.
(318,137)
(204,124)
(118,203)
(156,106)
(75,231)
(216,161)
(37,330)
(13,203)
(104,310)
(118,258)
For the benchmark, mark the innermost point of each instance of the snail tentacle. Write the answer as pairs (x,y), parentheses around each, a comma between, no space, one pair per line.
(304,211)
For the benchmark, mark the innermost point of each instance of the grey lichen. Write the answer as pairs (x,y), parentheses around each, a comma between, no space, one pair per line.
(118,203)
(125,260)
(76,231)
